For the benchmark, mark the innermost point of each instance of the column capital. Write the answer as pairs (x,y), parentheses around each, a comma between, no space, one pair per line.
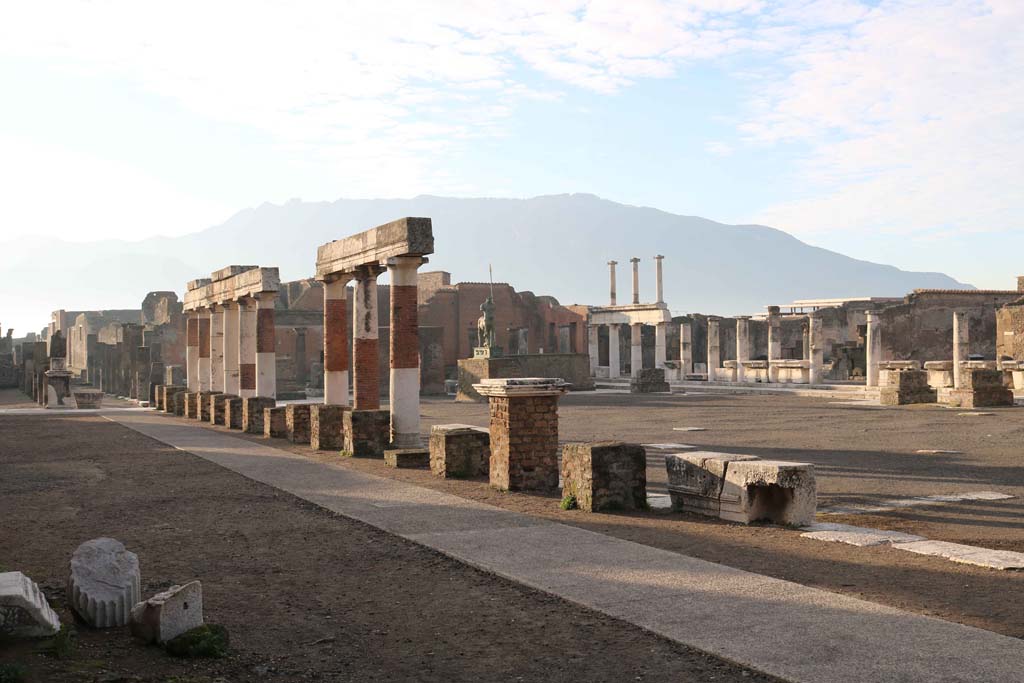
(634,260)
(369,271)
(406,261)
(659,257)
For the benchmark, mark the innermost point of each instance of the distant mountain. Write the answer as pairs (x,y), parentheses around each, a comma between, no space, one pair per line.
(557,245)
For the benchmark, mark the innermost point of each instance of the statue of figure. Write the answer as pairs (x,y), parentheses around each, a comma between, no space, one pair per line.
(58,347)
(485,325)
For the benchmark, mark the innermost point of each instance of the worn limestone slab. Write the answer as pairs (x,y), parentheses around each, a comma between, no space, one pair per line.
(24,611)
(795,632)
(921,501)
(966,554)
(856,535)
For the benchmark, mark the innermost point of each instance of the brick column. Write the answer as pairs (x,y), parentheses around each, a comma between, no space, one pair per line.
(216,348)
(366,366)
(774,342)
(336,341)
(246,348)
(266,357)
(817,347)
(191,355)
(204,350)
(714,349)
(660,343)
(961,344)
(636,351)
(405,352)
(874,349)
(742,346)
(685,348)
(614,363)
(231,351)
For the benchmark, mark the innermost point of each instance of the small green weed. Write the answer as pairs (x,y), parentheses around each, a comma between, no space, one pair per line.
(569,503)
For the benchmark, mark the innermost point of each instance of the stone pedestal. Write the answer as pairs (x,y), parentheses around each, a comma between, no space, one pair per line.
(649,381)
(459,451)
(524,432)
(275,422)
(252,413)
(367,433)
(980,388)
(940,373)
(574,368)
(88,400)
(904,386)
(609,475)
(296,420)
(58,384)
(169,392)
(326,427)
(206,405)
(233,413)
(192,405)
(217,405)
(178,403)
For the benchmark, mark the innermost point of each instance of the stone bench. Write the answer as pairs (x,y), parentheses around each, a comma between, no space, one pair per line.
(460,451)
(607,475)
(742,488)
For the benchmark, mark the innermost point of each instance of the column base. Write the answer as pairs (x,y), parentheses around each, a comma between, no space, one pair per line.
(233,412)
(274,423)
(252,413)
(218,402)
(326,431)
(296,418)
(206,405)
(192,405)
(366,433)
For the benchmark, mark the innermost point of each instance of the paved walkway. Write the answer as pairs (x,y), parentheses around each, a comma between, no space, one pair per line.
(782,628)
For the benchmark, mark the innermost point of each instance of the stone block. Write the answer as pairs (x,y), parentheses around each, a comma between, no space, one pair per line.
(104,584)
(940,373)
(180,401)
(769,490)
(980,388)
(206,405)
(649,381)
(367,433)
(903,386)
(695,480)
(407,458)
(233,412)
(218,404)
(326,426)
(608,475)
(169,392)
(252,413)
(192,405)
(296,419)
(274,423)
(460,451)
(24,612)
(168,614)
(88,400)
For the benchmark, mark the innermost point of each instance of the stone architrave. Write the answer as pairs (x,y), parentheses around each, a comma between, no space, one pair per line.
(105,582)
(609,475)
(24,612)
(169,613)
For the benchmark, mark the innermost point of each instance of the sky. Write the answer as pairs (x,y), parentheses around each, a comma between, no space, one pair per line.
(891,131)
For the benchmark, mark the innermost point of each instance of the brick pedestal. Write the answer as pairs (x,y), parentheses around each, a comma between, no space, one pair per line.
(524,432)
(296,419)
(233,412)
(169,392)
(367,433)
(206,405)
(274,423)
(192,405)
(904,386)
(459,451)
(177,403)
(326,428)
(608,475)
(252,413)
(981,388)
(218,402)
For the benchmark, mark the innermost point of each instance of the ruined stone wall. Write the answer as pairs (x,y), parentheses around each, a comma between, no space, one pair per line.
(159,308)
(1010,331)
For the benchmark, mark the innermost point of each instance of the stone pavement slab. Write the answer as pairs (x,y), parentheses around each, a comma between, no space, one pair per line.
(782,628)
(966,554)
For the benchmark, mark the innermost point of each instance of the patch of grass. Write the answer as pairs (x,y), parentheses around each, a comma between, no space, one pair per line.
(569,503)
(208,640)
(13,673)
(63,644)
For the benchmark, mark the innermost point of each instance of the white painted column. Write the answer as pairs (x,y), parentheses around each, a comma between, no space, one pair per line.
(774,342)
(742,346)
(714,349)
(366,354)
(614,353)
(636,279)
(657,274)
(874,349)
(961,344)
(660,343)
(685,348)
(611,274)
(266,354)
(593,348)
(231,352)
(814,338)
(204,350)
(636,351)
(247,348)
(216,348)
(191,351)
(405,351)
(336,341)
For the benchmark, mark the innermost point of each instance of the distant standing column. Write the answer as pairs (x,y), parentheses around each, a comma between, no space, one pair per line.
(336,341)
(774,342)
(614,354)
(660,344)
(611,274)
(805,331)
(405,351)
(636,279)
(686,348)
(657,274)
(874,349)
(714,349)
(231,312)
(191,353)
(204,350)
(816,347)
(247,348)
(365,368)
(636,355)
(217,348)
(742,346)
(266,355)
(593,348)
(961,344)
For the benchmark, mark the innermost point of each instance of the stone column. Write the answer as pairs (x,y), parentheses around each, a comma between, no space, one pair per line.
(774,342)
(614,354)
(247,348)
(805,332)
(657,274)
(714,349)
(874,349)
(217,348)
(336,341)
(231,350)
(204,350)
(961,344)
(365,370)
(593,348)
(611,273)
(660,343)
(405,351)
(685,349)
(636,279)
(817,347)
(742,346)
(191,354)
(636,355)
(266,355)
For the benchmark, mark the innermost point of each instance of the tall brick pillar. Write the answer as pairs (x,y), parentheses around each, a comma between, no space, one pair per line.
(231,382)
(246,348)
(336,341)
(266,356)
(365,370)
(405,352)
(217,348)
(204,349)
(191,354)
